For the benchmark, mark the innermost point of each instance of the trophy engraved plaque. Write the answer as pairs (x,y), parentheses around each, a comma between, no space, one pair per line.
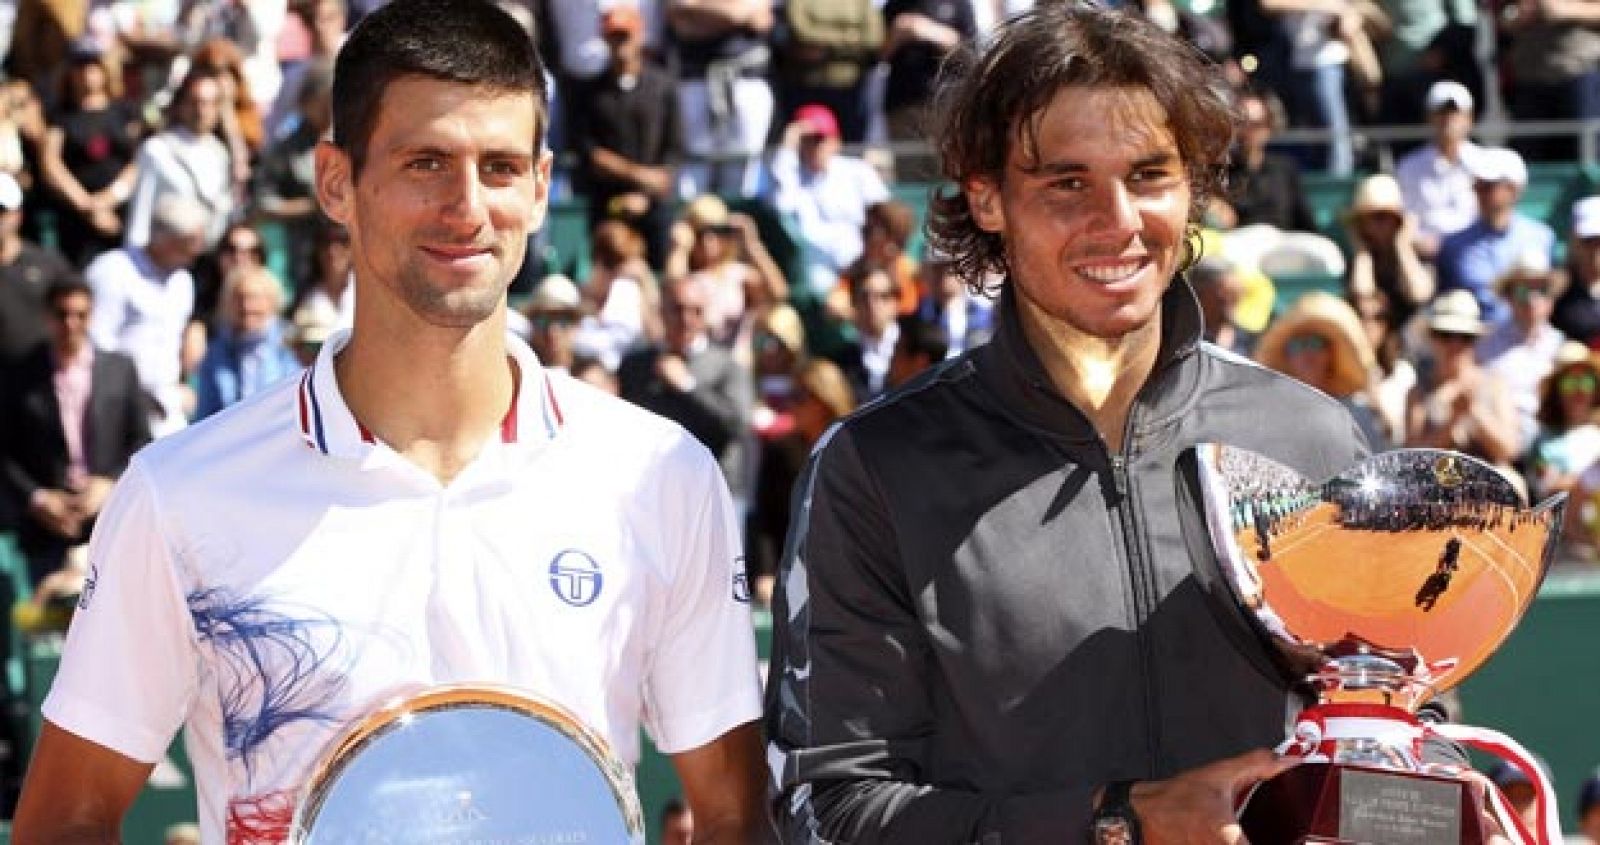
(1377,590)
(469,764)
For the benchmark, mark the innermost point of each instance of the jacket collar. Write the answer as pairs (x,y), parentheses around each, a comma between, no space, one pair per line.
(1009,365)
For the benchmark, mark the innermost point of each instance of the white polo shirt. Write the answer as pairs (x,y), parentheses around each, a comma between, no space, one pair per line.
(1437,190)
(269,575)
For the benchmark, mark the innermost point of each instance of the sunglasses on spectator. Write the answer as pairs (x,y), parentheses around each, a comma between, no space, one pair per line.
(237,248)
(557,320)
(1453,337)
(1305,343)
(880,294)
(1524,293)
(1574,383)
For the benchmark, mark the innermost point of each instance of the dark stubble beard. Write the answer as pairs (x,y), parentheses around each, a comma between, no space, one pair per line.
(460,308)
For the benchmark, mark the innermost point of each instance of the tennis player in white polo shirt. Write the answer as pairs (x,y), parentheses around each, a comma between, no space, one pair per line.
(424,505)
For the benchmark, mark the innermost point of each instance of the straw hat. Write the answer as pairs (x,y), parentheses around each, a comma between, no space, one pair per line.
(1378,192)
(1455,312)
(705,210)
(1336,321)
(1570,355)
(827,384)
(783,323)
(1531,264)
(556,294)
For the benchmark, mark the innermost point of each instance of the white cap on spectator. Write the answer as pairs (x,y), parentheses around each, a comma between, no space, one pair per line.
(1586,217)
(1497,164)
(10,192)
(1448,92)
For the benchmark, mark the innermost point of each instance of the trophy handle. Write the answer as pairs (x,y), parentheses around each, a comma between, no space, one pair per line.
(1508,749)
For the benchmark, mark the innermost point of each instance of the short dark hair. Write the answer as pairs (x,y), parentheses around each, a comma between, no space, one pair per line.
(471,42)
(1277,114)
(989,99)
(897,219)
(923,337)
(64,287)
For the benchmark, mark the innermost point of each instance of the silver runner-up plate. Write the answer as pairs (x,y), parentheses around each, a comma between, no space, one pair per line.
(469,764)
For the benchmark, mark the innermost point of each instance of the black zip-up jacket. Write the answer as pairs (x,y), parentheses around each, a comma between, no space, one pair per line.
(983,614)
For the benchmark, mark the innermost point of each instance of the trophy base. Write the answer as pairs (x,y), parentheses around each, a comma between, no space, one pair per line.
(1344,804)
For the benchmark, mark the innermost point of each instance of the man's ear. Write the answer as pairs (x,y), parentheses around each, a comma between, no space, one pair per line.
(542,167)
(334,183)
(983,200)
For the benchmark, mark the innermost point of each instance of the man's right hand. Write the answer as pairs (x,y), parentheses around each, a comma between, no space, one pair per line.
(57,511)
(1198,805)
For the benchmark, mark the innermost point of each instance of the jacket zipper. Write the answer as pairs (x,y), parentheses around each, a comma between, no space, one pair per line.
(1142,578)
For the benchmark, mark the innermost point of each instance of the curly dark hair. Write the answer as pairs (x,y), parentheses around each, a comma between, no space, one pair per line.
(990,98)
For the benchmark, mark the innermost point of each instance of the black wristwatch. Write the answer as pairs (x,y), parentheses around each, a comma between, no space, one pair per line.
(1115,822)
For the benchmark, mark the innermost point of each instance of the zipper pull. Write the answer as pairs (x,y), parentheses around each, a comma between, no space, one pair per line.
(1119,474)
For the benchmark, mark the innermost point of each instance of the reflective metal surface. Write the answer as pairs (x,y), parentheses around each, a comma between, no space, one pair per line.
(469,764)
(1388,583)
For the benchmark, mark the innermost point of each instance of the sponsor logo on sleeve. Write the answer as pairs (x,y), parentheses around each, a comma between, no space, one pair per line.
(741,581)
(88,587)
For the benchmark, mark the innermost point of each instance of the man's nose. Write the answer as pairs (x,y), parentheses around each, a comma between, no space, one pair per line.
(466,202)
(1115,207)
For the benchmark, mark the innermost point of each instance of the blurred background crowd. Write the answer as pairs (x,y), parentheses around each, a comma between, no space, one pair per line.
(735,232)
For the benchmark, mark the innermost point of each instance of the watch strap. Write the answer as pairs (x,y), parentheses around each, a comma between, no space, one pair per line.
(1114,820)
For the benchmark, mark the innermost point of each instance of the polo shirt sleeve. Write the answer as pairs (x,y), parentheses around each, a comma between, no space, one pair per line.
(130,664)
(702,680)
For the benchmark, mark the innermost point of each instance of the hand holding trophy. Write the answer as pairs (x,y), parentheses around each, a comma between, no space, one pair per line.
(1379,589)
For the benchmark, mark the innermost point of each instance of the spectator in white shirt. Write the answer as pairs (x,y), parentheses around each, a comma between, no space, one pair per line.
(187,159)
(825,193)
(143,298)
(1435,179)
(1521,349)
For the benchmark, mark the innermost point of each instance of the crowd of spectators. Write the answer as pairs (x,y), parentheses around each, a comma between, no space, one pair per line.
(750,273)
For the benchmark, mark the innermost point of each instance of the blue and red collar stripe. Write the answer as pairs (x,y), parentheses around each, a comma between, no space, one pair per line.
(553,418)
(313,431)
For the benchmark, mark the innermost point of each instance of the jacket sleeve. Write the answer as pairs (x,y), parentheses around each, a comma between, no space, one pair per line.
(850,700)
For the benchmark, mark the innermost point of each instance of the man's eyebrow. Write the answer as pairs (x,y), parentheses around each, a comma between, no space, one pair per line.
(1064,167)
(446,152)
(420,149)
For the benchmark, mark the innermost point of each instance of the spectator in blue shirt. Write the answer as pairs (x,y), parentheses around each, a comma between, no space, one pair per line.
(248,352)
(1473,258)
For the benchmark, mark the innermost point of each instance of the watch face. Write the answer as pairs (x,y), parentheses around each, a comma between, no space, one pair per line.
(1112,831)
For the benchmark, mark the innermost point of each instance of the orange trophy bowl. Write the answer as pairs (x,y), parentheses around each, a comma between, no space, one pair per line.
(1375,590)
